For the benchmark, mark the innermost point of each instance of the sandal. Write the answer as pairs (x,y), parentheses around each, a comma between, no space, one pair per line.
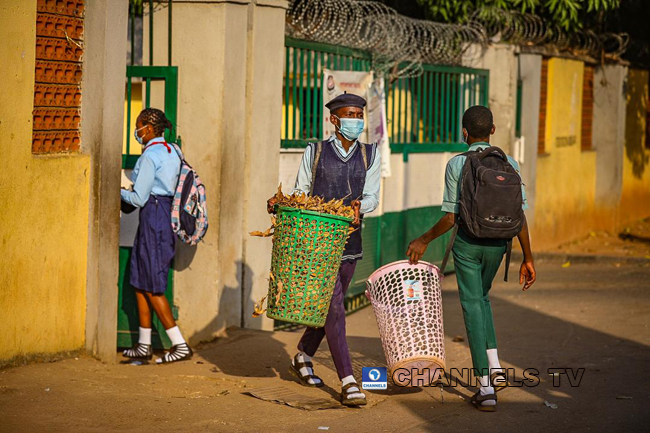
(352,402)
(180,352)
(139,351)
(478,399)
(304,379)
(502,383)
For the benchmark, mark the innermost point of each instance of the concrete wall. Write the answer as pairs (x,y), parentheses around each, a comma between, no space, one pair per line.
(501,61)
(635,195)
(609,140)
(102,125)
(530,66)
(229,116)
(44,218)
(565,174)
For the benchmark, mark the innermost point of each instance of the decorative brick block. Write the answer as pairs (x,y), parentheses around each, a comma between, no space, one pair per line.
(53,95)
(58,49)
(58,73)
(56,118)
(74,8)
(57,26)
(55,141)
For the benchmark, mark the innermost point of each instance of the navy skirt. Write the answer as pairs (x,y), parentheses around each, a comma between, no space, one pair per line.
(153,249)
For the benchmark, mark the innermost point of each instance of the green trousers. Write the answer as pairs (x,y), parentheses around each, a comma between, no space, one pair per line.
(476,263)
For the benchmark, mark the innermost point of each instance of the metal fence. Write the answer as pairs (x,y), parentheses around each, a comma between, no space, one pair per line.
(423,112)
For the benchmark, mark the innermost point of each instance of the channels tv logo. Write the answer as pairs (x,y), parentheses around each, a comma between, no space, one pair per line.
(374,378)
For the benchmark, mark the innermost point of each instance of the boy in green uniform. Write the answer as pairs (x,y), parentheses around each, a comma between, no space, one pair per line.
(477,262)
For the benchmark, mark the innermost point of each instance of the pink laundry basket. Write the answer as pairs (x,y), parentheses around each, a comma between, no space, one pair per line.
(407,302)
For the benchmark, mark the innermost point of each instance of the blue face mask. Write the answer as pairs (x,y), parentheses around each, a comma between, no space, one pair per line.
(137,137)
(351,129)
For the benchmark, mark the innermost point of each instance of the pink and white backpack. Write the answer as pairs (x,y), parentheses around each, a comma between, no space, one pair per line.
(189,207)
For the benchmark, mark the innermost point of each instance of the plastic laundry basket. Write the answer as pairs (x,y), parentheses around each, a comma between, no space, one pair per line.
(307,251)
(408,306)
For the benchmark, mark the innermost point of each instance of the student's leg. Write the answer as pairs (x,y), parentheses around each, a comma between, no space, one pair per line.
(467,262)
(180,350)
(312,337)
(144,309)
(142,350)
(492,258)
(335,324)
(163,310)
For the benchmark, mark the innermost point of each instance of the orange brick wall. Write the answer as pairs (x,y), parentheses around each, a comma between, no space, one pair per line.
(57,86)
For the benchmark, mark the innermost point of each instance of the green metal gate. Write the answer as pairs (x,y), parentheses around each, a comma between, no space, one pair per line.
(143,82)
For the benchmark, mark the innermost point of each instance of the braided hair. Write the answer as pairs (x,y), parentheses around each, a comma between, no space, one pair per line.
(157,119)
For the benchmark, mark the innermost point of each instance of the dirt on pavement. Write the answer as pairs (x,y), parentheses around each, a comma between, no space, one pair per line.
(594,317)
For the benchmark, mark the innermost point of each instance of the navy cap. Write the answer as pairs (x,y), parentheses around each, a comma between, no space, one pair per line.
(346,100)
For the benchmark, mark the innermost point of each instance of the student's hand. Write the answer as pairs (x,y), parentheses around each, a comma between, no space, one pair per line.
(527,275)
(270,204)
(356,205)
(416,250)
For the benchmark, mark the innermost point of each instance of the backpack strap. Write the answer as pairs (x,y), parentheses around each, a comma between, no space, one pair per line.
(508,254)
(449,246)
(318,148)
(364,154)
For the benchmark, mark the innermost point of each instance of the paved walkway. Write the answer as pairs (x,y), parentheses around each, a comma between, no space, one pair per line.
(594,317)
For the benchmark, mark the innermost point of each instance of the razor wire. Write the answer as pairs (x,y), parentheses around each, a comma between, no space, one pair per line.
(400,45)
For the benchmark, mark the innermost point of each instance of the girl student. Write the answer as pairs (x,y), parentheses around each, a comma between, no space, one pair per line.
(154,178)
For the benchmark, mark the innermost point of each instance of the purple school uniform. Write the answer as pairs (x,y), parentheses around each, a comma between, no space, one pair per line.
(339,177)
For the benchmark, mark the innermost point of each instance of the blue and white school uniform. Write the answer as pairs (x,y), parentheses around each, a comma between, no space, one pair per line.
(154,178)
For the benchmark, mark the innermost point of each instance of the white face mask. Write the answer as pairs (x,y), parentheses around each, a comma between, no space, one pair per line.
(137,137)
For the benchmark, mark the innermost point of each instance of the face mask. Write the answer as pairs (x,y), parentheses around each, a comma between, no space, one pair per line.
(351,129)
(137,137)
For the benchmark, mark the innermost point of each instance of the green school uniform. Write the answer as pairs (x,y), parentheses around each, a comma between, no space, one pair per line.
(477,262)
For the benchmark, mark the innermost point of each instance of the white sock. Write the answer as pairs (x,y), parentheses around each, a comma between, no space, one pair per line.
(486,389)
(356,392)
(175,336)
(493,360)
(305,371)
(145,336)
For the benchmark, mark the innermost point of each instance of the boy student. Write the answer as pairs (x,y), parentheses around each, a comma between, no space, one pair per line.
(340,167)
(494,208)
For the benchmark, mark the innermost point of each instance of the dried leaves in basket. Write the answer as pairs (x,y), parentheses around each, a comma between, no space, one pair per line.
(316,204)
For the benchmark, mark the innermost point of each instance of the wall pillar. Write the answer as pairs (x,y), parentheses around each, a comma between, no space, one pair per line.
(230,56)
(530,70)
(102,126)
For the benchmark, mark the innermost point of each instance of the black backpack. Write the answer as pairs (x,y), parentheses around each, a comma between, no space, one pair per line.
(490,199)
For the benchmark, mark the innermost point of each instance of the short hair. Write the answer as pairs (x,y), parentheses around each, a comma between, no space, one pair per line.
(478,121)
(157,119)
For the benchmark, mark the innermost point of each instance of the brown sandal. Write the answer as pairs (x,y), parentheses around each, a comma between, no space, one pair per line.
(478,399)
(304,379)
(352,402)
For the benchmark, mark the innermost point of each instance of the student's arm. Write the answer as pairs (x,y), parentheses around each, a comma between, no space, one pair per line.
(370,197)
(143,183)
(418,247)
(527,274)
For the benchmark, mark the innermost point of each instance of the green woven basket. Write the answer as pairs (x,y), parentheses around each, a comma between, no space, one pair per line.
(307,251)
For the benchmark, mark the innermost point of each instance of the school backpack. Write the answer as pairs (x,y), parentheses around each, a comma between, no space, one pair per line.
(189,207)
(490,199)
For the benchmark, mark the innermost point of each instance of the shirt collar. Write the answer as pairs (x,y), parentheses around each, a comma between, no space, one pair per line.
(156,140)
(339,145)
(479,145)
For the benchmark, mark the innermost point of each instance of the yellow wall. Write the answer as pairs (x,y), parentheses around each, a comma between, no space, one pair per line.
(44,217)
(566,176)
(635,197)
